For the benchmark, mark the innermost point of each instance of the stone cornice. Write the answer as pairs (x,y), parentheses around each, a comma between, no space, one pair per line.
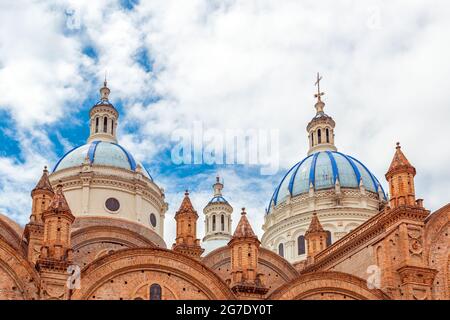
(305,218)
(131,185)
(103,108)
(365,234)
(155,257)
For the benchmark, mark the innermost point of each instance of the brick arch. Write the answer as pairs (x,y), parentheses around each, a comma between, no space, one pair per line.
(117,276)
(94,236)
(276,269)
(18,279)
(11,232)
(327,285)
(437,248)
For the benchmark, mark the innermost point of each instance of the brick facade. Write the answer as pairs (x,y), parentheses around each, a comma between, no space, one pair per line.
(400,253)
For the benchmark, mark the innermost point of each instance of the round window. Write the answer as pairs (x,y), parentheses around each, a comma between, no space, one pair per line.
(153,219)
(112,204)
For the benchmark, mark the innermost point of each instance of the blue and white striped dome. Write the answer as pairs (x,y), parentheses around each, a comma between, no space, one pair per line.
(100,153)
(218,199)
(322,169)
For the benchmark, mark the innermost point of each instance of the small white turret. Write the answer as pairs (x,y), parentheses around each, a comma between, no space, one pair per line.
(103,118)
(218,226)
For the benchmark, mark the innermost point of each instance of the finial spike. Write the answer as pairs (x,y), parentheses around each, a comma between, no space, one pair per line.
(319,94)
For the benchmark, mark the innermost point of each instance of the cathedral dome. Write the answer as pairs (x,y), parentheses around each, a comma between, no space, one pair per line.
(322,170)
(100,153)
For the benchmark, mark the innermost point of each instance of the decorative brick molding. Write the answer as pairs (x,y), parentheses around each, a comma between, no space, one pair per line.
(164,264)
(328,284)
(18,279)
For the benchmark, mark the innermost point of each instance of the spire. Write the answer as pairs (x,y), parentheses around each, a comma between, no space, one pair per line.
(44,182)
(401,180)
(103,118)
(186,219)
(316,238)
(104,91)
(400,162)
(244,229)
(59,202)
(315,226)
(218,186)
(319,104)
(186,205)
(246,276)
(321,127)
(56,253)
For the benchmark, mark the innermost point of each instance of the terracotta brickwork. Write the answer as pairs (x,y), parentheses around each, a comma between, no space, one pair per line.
(276,270)
(400,253)
(186,241)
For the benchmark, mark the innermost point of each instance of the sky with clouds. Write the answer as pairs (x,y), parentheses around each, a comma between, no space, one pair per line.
(230,64)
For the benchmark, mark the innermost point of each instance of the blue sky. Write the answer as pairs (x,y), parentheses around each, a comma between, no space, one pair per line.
(230,64)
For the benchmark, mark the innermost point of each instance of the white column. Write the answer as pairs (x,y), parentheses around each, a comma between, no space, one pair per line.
(85,194)
(138,206)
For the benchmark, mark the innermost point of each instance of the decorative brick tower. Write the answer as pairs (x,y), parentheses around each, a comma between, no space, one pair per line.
(401,180)
(42,194)
(245,279)
(405,274)
(316,238)
(56,252)
(186,241)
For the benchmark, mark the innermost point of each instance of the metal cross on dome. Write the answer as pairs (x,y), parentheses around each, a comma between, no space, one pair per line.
(318,94)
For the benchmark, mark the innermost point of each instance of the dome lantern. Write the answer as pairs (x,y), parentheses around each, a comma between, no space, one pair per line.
(321,127)
(217,219)
(103,118)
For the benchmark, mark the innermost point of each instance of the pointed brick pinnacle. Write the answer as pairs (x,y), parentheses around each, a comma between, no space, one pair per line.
(186,205)
(244,229)
(59,202)
(315,225)
(400,162)
(44,182)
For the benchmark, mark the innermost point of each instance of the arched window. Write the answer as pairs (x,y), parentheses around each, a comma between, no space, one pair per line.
(222,222)
(96,124)
(105,124)
(328,135)
(214,223)
(328,238)
(312,139)
(319,136)
(112,126)
(281,250)
(155,292)
(301,245)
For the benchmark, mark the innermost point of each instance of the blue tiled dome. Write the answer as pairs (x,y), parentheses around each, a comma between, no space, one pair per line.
(322,169)
(100,153)
(218,199)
